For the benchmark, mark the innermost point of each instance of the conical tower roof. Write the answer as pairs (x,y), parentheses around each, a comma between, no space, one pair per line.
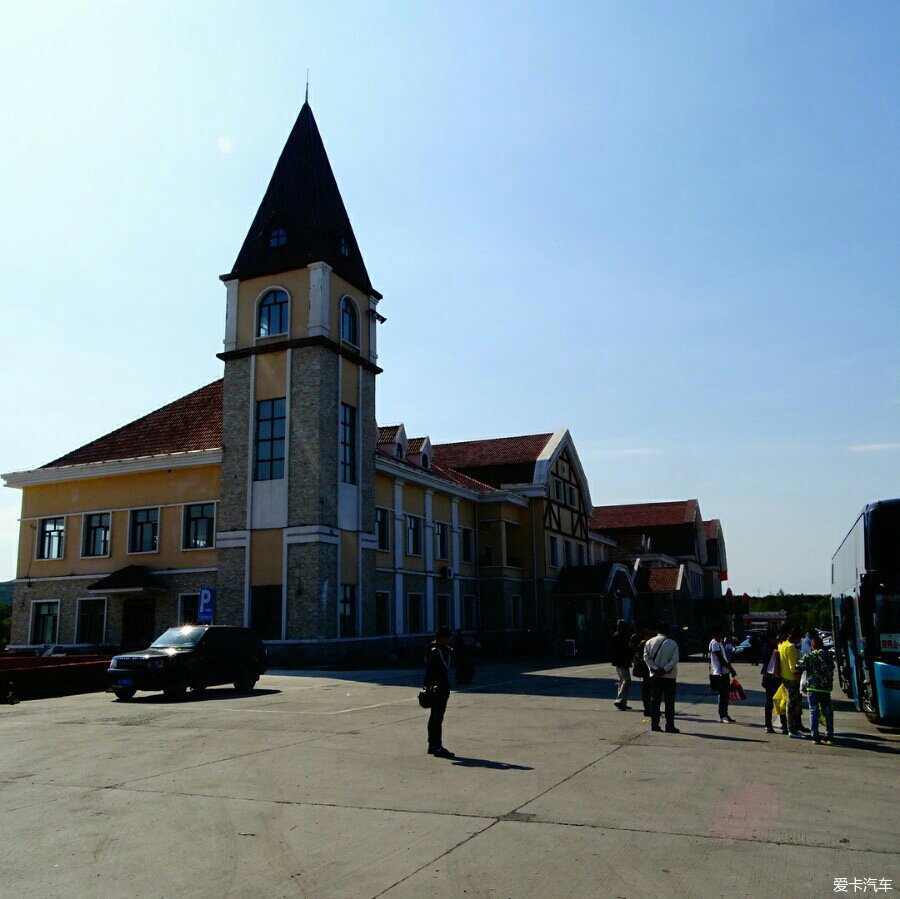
(302,218)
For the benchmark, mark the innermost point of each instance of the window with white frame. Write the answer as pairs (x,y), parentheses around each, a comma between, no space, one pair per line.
(414,622)
(467,538)
(272,316)
(91,625)
(44,621)
(199,529)
(441,540)
(413,535)
(349,321)
(559,490)
(383,528)
(143,531)
(348,444)
(95,535)
(570,489)
(268,439)
(553,545)
(52,538)
(382,613)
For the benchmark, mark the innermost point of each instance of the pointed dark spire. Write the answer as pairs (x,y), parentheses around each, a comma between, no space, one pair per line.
(302,218)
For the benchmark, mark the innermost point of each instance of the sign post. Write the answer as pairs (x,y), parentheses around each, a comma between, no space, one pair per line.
(206,607)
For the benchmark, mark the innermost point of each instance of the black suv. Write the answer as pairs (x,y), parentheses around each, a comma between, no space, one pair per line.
(196,656)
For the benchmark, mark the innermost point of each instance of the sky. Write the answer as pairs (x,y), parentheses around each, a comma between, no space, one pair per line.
(668,227)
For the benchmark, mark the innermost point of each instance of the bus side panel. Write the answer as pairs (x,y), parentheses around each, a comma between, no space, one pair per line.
(887,684)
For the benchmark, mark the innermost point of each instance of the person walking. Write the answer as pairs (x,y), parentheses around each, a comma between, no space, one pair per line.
(719,670)
(771,679)
(790,677)
(661,657)
(818,664)
(639,667)
(437,673)
(620,652)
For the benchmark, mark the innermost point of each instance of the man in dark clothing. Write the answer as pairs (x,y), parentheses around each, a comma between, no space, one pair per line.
(437,671)
(620,652)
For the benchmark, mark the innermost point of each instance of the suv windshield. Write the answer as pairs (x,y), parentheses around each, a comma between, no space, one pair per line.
(179,636)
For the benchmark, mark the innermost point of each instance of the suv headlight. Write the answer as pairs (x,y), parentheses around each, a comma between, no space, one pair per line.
(113,663)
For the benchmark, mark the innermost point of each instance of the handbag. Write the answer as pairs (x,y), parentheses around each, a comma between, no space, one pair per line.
(638,665)
(717,682)
(779,701)
(736,694)
(428,694)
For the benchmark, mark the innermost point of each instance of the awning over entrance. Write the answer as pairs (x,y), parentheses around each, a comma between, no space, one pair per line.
(130,579)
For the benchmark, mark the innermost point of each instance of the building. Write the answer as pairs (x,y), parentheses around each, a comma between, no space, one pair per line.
(331,537)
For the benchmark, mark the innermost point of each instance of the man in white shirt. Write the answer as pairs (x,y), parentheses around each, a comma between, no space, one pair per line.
(719,669)
(661,656)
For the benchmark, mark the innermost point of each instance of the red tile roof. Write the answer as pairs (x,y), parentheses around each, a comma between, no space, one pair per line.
(637,515)
(445,474)
(191,423)
(711,528)
(663,580)
(501,460)
(389,434)
(415,445)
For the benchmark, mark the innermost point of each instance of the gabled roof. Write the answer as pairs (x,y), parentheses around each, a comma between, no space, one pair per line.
(444,474)
(415,445)
(191,423)
(302,198)
(664,579)
(501,460)
(638,515)
(389,433)
(712,528)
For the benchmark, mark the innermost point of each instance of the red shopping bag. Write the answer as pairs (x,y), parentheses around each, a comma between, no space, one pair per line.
(736,693)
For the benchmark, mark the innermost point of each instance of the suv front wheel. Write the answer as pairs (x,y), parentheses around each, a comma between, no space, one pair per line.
(124,693)
(246,681)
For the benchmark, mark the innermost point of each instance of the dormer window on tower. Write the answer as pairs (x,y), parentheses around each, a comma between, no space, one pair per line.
(272,318)
(349,321)
(277,237)
(398,450)
(345,247)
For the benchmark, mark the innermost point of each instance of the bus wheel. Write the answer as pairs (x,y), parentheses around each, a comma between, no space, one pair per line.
(867,697)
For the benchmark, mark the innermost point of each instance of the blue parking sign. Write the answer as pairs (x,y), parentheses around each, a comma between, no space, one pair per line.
(206,606)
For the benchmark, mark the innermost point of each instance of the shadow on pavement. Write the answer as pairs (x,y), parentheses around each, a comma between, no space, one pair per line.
(210,695)
(489,763)
(723,737)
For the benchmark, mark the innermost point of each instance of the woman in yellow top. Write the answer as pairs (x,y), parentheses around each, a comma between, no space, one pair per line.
(790,677)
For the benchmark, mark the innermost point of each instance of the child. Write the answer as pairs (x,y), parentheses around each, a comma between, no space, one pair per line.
(818,664)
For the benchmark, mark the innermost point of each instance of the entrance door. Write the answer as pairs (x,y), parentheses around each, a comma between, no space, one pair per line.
(138,629)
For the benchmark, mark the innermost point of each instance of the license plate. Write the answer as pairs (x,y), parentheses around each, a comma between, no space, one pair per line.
(126,682)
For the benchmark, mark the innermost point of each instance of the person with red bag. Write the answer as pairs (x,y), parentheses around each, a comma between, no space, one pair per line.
(719,669)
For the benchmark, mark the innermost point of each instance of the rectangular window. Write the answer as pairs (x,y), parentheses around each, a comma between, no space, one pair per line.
(517,611)
(51,538)
(44,621)
(268,441)
(559,490)
(199,531)
(91,626)
(468,545)
(382,613)
(487,555)
(443,610)
(413,535)
(95,535)
(581,555)
(348,444)
(470,613)
(348,610)
(143,531)
(383,529)
(441,540)
(567,552)
(554,552)
(190,603)
(414,613)
(570,489)
(265,611)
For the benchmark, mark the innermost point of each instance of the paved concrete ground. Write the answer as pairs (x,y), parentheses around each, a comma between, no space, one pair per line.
(319,785)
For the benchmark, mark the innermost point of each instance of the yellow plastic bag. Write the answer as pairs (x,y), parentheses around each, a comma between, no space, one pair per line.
(779,701)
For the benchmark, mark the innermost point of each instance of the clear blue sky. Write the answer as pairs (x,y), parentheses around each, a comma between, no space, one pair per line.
(670,227)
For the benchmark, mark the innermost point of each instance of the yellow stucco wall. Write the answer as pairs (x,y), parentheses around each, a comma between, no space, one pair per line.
(296,283)
(266,551)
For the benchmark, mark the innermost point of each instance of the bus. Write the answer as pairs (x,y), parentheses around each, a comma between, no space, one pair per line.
(865,611)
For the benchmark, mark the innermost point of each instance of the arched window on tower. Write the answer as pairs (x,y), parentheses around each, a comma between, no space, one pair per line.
(349,321)
(273,314)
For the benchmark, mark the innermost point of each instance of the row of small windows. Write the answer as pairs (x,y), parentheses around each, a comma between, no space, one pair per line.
(278,238)
(571,551)
(273,315)
(198,532)
(414,532)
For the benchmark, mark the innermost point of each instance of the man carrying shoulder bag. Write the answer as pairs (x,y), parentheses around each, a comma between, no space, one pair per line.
(661,657)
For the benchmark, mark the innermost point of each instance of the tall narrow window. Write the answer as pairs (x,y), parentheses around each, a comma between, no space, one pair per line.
(95,539)
(349,321)
(348,444)
(559,490)
(567,552)
(441,540)
(383,529)
(570,491)
(143,533)
(414,613)
(554,552)
(468,545)
(442,607)
(382,613)
(269,450)
(348,610)
(413,535)
(470,612)
(44,621)
(582,560)
(272,318)
(91,626)
(199,530)
(52,538)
